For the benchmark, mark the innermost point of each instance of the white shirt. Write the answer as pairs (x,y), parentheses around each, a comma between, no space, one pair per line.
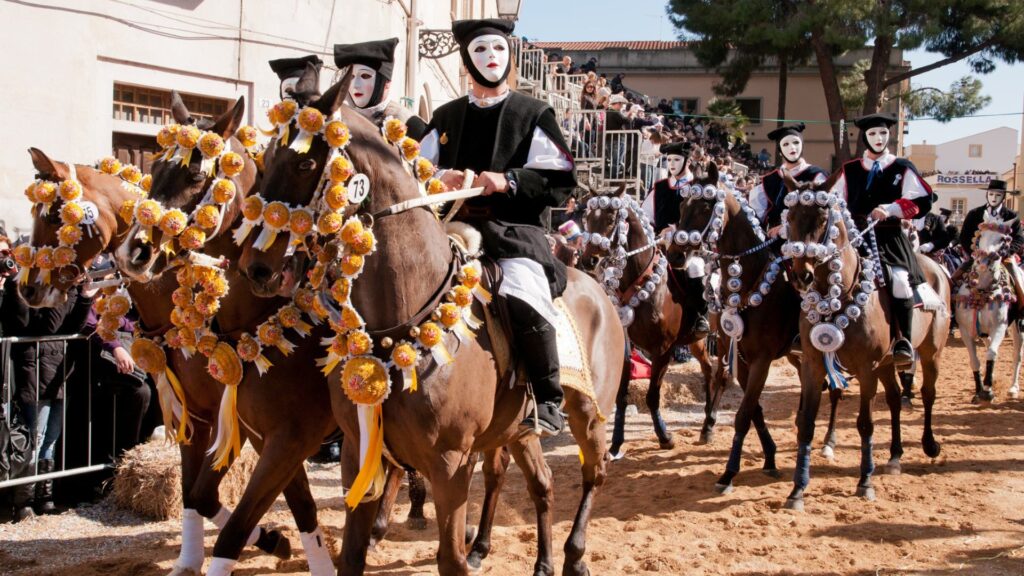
(759,199)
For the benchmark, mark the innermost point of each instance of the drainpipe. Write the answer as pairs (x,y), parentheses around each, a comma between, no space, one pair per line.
(412,53)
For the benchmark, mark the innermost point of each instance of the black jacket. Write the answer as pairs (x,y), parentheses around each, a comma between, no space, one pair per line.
(934,231)
(512,226)
(976,216)
(20,320)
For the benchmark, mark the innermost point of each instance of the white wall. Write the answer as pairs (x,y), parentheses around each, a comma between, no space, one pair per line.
(998,149)
(62,60)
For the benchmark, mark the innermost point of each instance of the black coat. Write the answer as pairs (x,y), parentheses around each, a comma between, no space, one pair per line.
(976,216)
(934,231)
(511,223)
(20,320)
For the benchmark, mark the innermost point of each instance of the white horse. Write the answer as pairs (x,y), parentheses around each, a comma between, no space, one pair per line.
(984,305)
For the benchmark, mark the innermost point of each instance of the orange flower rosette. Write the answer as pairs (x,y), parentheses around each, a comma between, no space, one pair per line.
(365,381)
(341,289)
(435,186)
(167,136)
(351,265)
(192,238)
(188,137)
(46,192)
(311,119)
(211,145)
(182,296)
(69,235)
(394,130)
(70,190)
(232,164)
(109,165)
(149,356)
(127,211)
(149,213)
(424,169)
(63,256)
(146,182)
(410,149)
(173,222)
(337,134)
(276,215)
(131,173)
(223,191)
(225,366)
(208,216)
(336,197)
(252,208)
(72,214)
(247,135)
(329,223)
(340,169)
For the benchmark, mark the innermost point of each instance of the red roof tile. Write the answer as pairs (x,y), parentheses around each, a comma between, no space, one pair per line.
(594,46)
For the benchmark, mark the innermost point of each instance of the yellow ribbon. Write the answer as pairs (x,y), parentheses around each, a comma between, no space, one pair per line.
(181,437)
(371,473)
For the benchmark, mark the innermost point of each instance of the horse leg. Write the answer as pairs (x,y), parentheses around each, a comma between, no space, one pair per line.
(811,377)
(930,373)
(529,456)
(358,520)
(417,498)
(303,507)
(392,486)
(659,366)
(450,478)
(1018,345)
(621,398)
(278,465)
(895,402)
(715,384)
(752,379)
(866,428)
(495,466)
(589,432)
(829,449)
(991,352)
(191,556)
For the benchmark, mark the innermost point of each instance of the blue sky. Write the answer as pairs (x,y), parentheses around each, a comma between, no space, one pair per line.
(570,20)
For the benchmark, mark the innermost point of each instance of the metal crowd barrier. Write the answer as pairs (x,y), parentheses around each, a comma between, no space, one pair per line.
(73,397)
(622,158)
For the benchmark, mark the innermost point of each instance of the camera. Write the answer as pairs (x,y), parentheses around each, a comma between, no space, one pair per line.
(8,267)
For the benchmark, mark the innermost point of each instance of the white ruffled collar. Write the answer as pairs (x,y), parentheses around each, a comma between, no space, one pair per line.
(488,102)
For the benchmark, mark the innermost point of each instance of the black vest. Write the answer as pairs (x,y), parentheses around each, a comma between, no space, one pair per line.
(886,187)
(775,190)
(666,205)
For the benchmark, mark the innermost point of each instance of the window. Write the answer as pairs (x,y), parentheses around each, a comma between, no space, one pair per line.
(685,105)
(751,108)
(153,106)
(959,208)
(974,151)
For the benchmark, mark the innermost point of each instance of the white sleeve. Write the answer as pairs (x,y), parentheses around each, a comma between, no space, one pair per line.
(648,206)
(759,201)
(544,154)
(912,186)
(430,147)
(840,187)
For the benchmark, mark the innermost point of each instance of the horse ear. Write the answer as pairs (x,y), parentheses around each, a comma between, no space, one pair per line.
(230,120)
(178,110)
(712,173)
(43,164)
(831,180)
(329,103)
(308,83)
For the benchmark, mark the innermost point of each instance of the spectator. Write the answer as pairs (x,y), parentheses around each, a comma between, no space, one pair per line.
(588,97)
(616,83)
(41,401)
(615,119)
(763,158)
(590,66)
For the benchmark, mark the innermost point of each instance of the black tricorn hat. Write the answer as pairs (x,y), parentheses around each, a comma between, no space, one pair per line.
(1000,185)
(466,30)
(791,130)
(376,54)
(681,148)
(878,119)
(286,68)
(945,211)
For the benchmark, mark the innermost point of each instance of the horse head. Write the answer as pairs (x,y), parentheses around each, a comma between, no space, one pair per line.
(74,220)
(811,222)
(696,213)
(182,180)
(296,171)
(992,237)
(605,225)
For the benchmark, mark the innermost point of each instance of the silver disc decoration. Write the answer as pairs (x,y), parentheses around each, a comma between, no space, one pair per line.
(827,337)
(731,323)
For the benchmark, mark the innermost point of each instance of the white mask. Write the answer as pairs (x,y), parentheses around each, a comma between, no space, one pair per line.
(364,80)
(675,164)
(877,138)
(995,197)
(791,147)
(490,54)
(287,85)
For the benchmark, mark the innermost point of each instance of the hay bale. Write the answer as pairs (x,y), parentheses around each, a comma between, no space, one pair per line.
(147,481)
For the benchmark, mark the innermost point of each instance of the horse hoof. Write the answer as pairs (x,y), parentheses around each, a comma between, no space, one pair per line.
(932,449)
(772,472)
(907,403)
(866,492)
(723,488)
(578,569)
(986,396)
(667,444)
(827,452)
(706,437)
(893,468)
(474,560)
(795,504)
(184,571)
(276,544)
(614,456)
(416,523)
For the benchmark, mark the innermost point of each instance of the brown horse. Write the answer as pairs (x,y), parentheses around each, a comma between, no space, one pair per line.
(826,262)
(772,314)
(152,301)
(461,408)
(633,263)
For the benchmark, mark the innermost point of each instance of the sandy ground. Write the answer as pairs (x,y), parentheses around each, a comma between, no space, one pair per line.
(961,513)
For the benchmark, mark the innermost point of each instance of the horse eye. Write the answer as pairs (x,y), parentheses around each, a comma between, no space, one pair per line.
(307,164)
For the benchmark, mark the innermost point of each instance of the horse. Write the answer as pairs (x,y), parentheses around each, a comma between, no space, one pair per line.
(846,323)
(461,408)
(754,293)
(635,272)
(985,304)
(201,392)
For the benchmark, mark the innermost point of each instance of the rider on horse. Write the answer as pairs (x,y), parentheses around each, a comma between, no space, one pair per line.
(372,64)
(995,194)
(880,186)
(767,197)
(662,207)
(289,71)
(514,145)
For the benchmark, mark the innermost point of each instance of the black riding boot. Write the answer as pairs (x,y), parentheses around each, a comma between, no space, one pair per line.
(536,343)
(23,495)
(903,317)
(44,490)
(697,305)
